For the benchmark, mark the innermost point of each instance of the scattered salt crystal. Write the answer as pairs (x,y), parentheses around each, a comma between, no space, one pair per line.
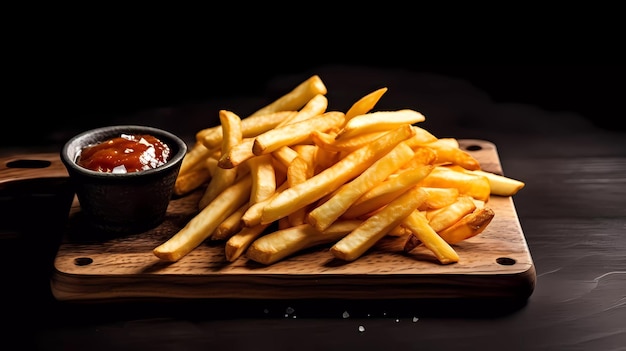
(346,314)
(361,328)
(415,319)
(119,169)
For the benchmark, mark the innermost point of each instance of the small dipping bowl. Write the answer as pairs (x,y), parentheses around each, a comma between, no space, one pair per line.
(118,204)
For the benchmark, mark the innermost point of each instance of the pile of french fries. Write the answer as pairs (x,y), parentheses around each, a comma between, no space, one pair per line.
(294,175)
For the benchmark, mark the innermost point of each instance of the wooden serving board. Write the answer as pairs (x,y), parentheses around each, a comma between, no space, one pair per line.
(497,263)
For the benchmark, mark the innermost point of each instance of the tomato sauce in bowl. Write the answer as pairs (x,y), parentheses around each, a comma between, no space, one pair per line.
(123,176)
(124,154)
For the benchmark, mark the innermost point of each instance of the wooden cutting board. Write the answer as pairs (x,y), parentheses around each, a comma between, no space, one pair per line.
(495,264)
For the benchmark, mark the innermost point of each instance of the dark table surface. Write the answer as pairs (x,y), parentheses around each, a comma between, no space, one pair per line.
(572,212)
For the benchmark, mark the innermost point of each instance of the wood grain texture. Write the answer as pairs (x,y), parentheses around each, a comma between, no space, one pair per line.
(497,263)
(30,167)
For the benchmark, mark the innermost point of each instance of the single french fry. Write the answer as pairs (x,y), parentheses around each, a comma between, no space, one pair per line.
(325,214)
(200,135)
(365,104)
(280,244)
(501,185)
(237,154)
(295,133)
(449,153)
(444,217)
(239,242)
(250,127)
(231,225)
(202,225)
(469,226)
(333,177)
(263,177)
(196,154)
(361,239)
(297,97)
(474,185)
(421,230)
(194,178)
(379,122)
(224,177)
(314,107)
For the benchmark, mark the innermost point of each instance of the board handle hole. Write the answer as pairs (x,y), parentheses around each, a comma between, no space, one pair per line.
(473,147)
(505,261)
(28,164)
(83,261)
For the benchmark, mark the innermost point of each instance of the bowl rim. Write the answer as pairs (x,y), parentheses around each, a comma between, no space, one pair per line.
(174,161)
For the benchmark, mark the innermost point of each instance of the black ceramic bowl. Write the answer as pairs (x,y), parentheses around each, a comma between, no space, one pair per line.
(123,203)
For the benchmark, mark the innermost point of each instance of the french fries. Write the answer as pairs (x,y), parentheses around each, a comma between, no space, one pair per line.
(500,185)
(295,133)
(296,98)
(333,179)
(422,232)
(470,225)
(374,228)
(379,122)
(365,104)
(325,214)
(194,178)
(471,184)
(285,242)
(205,222)
(224,177)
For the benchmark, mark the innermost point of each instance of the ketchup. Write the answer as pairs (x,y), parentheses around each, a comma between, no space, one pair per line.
(125,154)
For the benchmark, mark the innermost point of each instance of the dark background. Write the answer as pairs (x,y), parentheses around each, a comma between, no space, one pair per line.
(86,92)
(87,66)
